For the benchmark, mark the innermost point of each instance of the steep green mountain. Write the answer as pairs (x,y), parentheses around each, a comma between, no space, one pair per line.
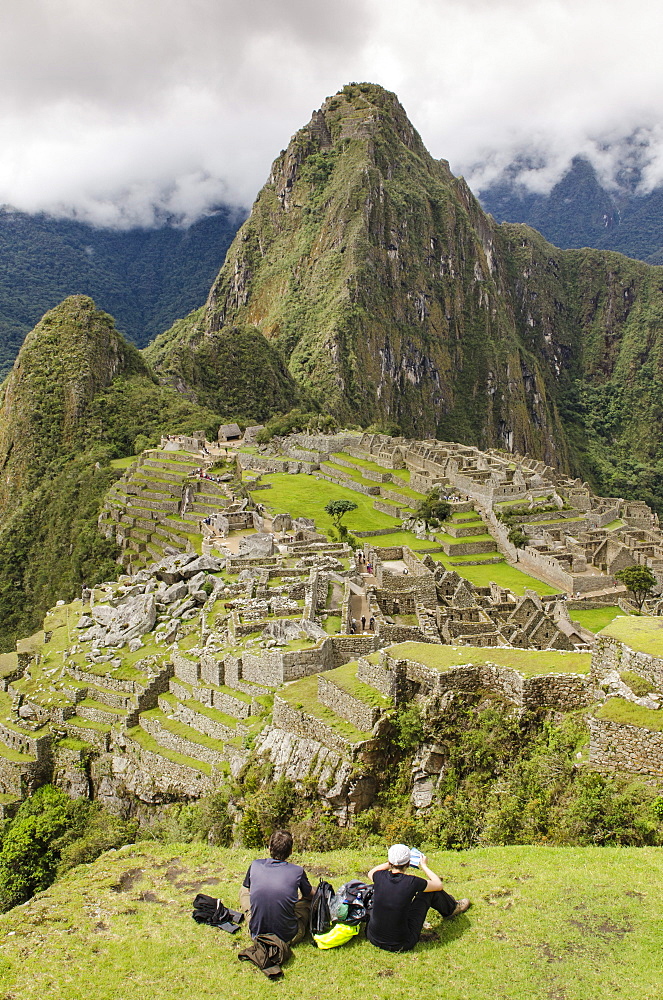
(580,212)
(395,299)
(145,277)
(78,395)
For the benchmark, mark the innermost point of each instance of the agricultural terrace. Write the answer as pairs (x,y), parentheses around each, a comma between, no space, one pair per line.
(529,662)
(596,619)
(642,633)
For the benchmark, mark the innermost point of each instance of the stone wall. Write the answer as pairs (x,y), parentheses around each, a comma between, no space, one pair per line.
(168,778)
(377,675)
(263,463)
(186,668)
(24,742)
(18,779)
(351,709)
(390,634)
(351,647)
(297,721)
(348,483)
(625,748)
(611,654)
(326,443)
(563,691)
(548,569)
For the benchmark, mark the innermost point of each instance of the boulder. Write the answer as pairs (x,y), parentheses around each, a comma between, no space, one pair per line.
(170,569)
(256,546)
(208,564)
(103,614)
(136,617)
(196,582)
(173,593)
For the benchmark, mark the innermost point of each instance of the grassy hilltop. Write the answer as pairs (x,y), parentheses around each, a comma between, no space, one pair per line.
(542,927)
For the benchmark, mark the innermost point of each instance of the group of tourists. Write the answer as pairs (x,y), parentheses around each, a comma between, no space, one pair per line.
(276,897)
(353,627)
(200,473)
(360,560)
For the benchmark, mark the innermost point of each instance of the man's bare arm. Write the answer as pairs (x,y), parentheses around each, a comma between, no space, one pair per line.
(434,882)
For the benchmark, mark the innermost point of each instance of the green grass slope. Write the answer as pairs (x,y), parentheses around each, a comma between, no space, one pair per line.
(545,924)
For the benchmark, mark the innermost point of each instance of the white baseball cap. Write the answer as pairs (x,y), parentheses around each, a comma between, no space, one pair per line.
(399,855)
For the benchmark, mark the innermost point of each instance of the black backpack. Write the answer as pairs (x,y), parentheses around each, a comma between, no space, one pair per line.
(320,920)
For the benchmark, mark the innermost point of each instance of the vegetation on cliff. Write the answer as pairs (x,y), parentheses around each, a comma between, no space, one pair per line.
(145,277)
(78,396)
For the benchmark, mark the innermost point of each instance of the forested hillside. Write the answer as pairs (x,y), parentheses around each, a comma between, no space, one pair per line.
(581,212)
(394,299)
(145,278)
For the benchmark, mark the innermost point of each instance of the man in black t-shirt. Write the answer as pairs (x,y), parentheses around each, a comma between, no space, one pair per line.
(401,901)
(270,894)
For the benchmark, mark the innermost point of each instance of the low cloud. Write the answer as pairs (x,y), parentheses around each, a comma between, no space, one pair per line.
(124,113)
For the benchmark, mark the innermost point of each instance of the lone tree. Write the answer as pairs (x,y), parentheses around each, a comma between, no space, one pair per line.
(518,537)
(337,509)
(639,580)
(432,510)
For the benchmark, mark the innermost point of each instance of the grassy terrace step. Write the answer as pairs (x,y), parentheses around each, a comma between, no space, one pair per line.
(8,664)
(100,706)
(147,742)
(31,644)
(80,723)
(450,540)
(307,496)
(303,696)
(644,633)
(625,713)
(345,677)
(15,756)
(183,731)
(478,559)
(213,714)
(596,619)
(502,574)
(529,662)
(344,473)
(400,538)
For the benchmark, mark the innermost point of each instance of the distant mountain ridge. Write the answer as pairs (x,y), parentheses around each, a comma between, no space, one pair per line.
(581,212)
(145,278)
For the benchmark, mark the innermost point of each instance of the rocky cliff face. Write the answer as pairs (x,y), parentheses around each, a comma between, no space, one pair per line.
(394,298)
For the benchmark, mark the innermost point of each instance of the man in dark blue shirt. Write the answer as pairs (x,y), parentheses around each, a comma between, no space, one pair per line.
(270,894)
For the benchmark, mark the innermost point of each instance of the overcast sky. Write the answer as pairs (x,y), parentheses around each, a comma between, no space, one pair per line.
(115,110)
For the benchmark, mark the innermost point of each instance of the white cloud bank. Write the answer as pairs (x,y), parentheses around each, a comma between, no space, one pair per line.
(122,111)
